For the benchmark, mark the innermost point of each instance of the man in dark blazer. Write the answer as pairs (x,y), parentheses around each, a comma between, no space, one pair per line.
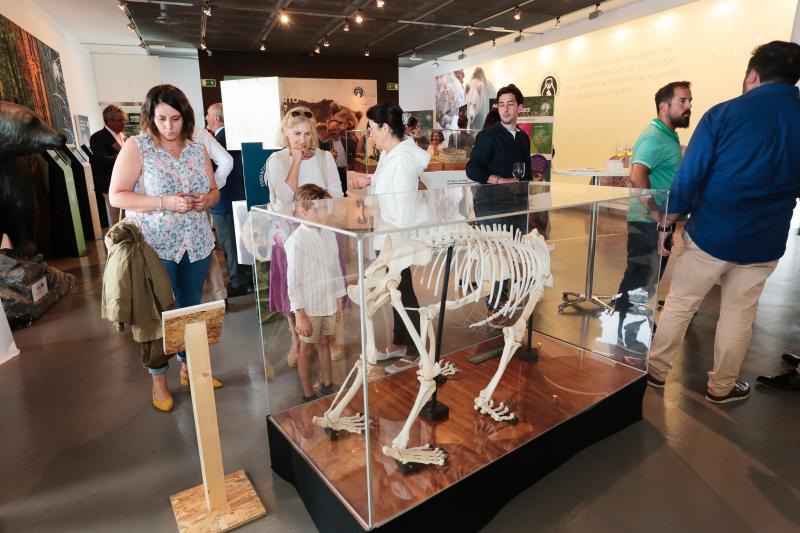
(241,276)
(105,145)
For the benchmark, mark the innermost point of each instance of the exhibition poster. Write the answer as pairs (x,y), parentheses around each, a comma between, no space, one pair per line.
(31,75)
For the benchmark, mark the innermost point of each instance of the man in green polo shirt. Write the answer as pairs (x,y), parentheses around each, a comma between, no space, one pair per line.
(656,157)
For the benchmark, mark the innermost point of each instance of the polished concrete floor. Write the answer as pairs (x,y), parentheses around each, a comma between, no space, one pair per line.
(82,450)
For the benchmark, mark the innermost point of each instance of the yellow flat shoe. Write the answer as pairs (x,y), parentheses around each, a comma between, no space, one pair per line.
(217,383)
(163,405)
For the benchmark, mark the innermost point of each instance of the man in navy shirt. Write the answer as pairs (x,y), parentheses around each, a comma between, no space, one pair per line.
(492,162)
(738,181)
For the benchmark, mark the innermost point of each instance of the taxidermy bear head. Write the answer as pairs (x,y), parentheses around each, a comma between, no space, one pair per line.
(23,132)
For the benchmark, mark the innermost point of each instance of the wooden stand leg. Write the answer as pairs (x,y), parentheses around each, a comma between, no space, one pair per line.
(221,503)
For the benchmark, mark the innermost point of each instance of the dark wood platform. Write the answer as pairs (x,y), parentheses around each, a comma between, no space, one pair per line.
(565,382)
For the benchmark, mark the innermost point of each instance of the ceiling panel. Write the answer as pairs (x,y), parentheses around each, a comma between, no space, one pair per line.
(242,24)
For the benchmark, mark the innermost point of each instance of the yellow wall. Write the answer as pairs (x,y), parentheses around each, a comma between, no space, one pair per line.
(608,78)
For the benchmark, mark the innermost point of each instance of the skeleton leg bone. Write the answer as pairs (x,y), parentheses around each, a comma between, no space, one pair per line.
(484,403)
(429,369)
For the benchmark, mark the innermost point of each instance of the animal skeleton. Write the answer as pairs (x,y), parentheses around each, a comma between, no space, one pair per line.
(482,259)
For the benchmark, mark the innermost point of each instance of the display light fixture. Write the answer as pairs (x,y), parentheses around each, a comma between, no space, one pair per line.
(413,54)
(122,5)
(359,18)
(207,10)
(346,26)
(517,13)
(284,17)
(462,55)
(379,3)
(558,22)
(132,27)
(263,47)
(435,62)
(470,32)
(326,43)
(366,52)
(203,45)
(494,43)
(142,45)
(519,37)
(209,52)
(596,13)
(316,49)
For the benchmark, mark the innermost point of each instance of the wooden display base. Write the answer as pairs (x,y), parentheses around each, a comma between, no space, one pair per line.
(193,516)
(567,400)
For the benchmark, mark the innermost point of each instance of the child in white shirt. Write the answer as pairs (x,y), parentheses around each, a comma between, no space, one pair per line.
(316,289)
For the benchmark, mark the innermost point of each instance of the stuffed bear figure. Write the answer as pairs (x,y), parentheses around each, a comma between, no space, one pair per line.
(23,173)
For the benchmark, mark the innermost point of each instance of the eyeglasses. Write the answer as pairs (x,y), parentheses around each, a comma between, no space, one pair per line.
(297,113)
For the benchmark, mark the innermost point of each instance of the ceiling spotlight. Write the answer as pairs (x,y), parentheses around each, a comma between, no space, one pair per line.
(346,25)
(413,54)
(596,13)
(494,43)
(462,55)
(284,17)
(207,10)
(263,47)
(142,45)
(203,45)
(132,27)
(558,22)
(359,18)
(316,49)
(379,3)
(519,37)
(366,52)
(209,53)
(326,43)
(470,32)
(517,13)
(122,5)
(435,62)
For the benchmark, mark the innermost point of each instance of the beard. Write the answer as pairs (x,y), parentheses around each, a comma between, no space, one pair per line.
(681,121)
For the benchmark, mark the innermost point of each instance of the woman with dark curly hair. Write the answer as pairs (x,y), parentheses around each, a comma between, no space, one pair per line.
(165,182)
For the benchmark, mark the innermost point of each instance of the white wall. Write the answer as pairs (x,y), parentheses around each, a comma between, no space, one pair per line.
(607,75)
(185,75)
(75,60)
(416,87)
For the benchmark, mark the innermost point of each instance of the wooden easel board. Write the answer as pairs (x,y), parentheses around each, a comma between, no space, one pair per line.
(192,516)
(174,323)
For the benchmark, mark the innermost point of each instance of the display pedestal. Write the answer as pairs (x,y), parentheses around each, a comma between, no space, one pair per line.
(473,489)
(221,503)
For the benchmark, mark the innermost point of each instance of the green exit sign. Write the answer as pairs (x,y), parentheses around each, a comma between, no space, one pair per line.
(392,86)
(208,82)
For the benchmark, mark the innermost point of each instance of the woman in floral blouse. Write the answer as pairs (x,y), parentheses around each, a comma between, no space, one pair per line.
(165,182)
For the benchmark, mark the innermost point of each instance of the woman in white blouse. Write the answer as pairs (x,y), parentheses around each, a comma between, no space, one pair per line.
(395,184)
(301,162)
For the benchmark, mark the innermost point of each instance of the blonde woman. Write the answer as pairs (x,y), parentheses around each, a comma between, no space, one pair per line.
(300,162)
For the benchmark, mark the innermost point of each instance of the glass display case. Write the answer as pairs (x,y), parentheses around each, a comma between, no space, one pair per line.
(445,347)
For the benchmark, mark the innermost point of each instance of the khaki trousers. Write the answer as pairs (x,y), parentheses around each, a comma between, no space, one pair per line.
(695,273)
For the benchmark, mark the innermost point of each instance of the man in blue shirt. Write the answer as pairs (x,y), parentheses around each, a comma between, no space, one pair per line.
(739,180)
